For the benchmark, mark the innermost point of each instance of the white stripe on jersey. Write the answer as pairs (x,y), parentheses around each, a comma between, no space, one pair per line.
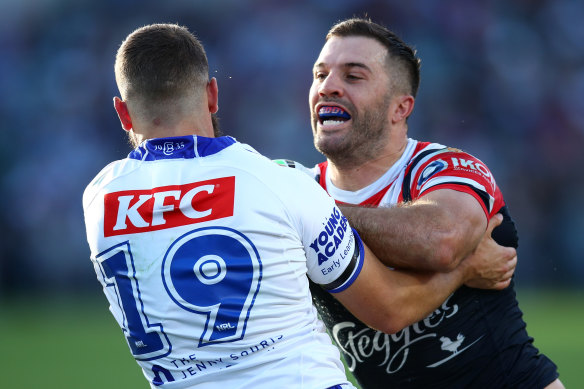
(434,146)
(457,180)
(395,172)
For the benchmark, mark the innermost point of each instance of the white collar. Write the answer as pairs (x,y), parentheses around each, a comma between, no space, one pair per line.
(360,195)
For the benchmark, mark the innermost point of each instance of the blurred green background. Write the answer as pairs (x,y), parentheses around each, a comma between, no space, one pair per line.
(76,343)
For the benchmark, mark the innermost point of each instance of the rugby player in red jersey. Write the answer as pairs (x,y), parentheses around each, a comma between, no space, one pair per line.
(420,206)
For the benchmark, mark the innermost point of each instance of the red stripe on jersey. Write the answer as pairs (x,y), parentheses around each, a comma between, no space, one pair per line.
(322,177)
(420,146)
(137,211)
(371,201)
(460,171)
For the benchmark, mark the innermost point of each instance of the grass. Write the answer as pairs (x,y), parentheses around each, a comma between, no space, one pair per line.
(75,344)
(64,345)
(555,320)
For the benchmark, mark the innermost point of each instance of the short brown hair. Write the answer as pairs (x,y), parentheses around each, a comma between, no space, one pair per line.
(396,48)
(160,62)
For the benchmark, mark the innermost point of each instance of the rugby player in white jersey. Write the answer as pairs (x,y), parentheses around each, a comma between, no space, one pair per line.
(202,245)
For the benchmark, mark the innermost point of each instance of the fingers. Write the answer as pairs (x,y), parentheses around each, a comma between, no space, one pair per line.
(502,285)
(494,222)
(499,275)
(505,279)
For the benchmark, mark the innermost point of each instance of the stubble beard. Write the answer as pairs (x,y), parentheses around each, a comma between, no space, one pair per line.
(363,142)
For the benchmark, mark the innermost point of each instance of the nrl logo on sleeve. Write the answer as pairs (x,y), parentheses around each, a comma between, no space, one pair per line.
(136,211)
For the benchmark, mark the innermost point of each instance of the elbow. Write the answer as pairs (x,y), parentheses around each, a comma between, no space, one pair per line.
(393,322)
(444,256)
(393,327)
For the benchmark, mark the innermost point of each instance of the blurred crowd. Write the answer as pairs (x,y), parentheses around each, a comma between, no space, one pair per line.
(503,80)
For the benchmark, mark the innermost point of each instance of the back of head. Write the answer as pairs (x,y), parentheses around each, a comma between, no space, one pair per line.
(403,63)
(160,63)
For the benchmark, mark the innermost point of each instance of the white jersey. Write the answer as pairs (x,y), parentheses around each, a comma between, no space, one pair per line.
(202,247)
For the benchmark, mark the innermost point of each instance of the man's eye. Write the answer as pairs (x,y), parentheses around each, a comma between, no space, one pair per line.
(353,77)
(319,76)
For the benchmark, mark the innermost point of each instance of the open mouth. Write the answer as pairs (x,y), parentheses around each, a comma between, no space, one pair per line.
(332,115)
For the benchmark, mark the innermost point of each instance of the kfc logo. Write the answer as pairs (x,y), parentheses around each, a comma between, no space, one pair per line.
(136,211)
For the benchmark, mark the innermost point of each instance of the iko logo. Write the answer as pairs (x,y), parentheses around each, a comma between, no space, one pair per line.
(474,166)
(136,211)
(470,164)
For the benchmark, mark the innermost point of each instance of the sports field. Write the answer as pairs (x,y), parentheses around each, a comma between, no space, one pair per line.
(77,344)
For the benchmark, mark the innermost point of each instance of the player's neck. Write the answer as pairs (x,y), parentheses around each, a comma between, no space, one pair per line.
(363,173)
(185,127)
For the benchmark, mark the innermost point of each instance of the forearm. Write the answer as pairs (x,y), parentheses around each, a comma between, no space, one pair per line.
(422,293)
(418,294)
(430,234)
(404,237)
(389,300)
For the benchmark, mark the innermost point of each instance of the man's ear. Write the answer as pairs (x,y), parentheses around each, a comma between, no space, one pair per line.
(123,113)
(403,106)
(213,95)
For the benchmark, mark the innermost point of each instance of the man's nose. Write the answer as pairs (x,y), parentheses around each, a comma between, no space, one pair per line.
(331,86)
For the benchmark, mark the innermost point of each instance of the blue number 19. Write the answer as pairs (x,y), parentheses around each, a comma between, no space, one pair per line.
(146,340)
(214,271)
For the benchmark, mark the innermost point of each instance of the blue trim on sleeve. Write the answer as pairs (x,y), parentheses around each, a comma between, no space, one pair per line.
(357,264)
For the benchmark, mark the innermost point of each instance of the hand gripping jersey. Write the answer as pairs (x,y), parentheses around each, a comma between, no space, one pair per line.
(202,247)
(477,338)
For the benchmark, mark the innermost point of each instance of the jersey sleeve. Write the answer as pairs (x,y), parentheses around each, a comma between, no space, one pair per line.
(454,169)
(334,251)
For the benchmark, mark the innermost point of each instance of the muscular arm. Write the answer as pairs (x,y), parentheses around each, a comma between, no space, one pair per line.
(390,300)
(433,233)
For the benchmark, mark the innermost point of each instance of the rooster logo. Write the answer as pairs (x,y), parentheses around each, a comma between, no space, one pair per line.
(451,345)
(454,347)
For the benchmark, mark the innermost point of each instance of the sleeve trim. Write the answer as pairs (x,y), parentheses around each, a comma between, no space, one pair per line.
(352,270)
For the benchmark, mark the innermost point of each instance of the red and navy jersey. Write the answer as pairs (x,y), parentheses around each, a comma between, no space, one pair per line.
(476,338)
(427,167)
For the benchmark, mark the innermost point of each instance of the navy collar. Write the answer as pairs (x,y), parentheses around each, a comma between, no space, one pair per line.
(190,146)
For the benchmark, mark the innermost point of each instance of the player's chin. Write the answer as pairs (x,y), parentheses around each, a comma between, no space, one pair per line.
(330,142)
(326,128)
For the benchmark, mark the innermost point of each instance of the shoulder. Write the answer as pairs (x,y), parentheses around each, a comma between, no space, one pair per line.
(106,175)
(432,158)
(110,174)
(290,181)
(436,167)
